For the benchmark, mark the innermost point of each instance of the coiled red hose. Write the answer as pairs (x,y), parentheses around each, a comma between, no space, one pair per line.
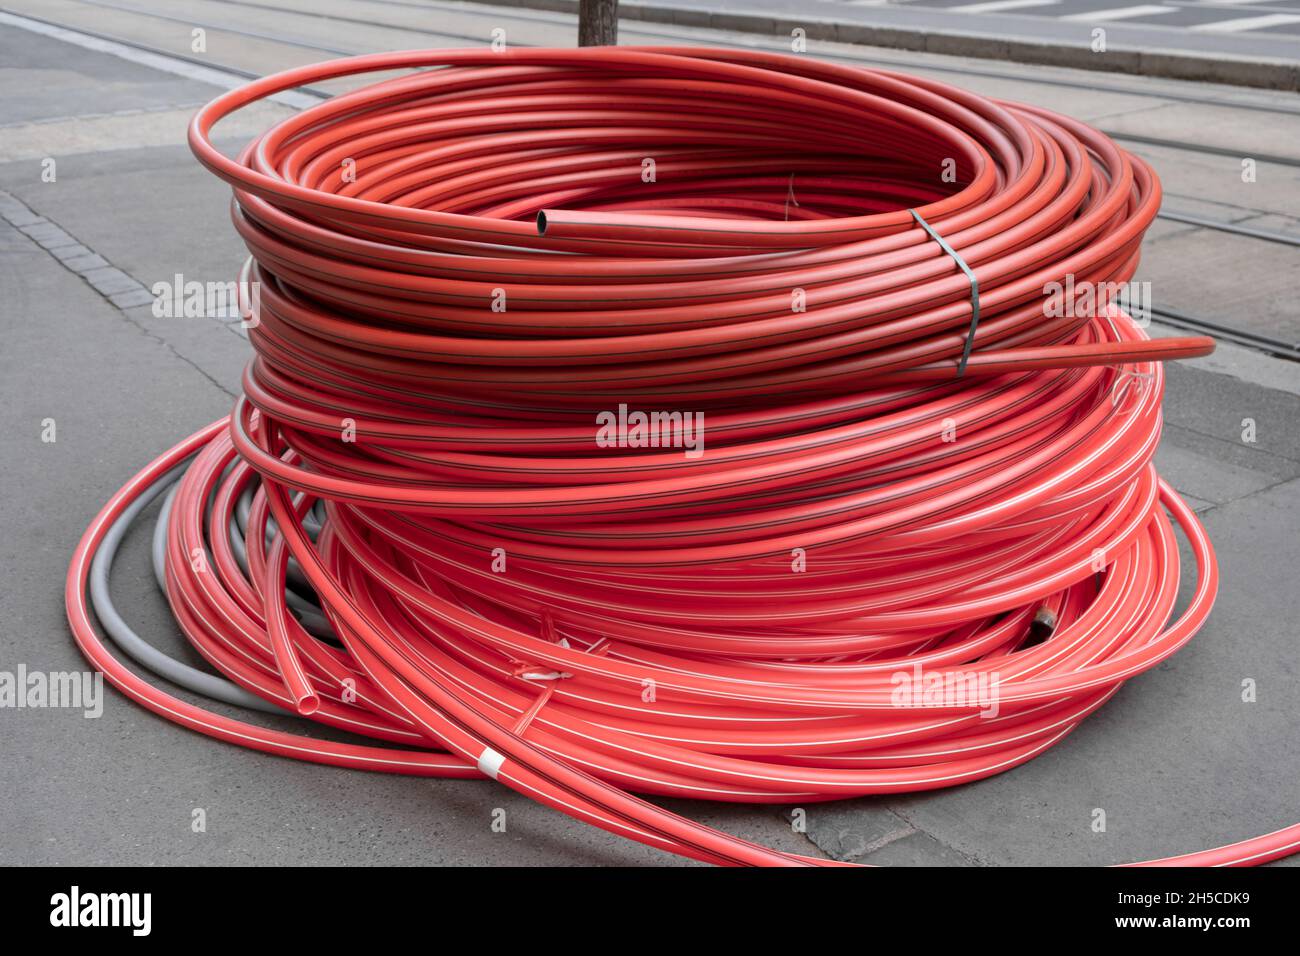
(877,576)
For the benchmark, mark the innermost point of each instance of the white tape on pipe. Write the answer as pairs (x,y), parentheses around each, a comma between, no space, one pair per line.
(490,762)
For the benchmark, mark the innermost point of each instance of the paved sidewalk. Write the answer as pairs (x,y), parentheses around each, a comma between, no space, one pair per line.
(1177,760)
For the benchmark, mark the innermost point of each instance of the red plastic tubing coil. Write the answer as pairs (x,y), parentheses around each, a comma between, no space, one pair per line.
(872,575)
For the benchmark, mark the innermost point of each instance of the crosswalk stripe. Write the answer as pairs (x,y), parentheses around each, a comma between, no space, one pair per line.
(1121,13)
(1248,23)
(993,6)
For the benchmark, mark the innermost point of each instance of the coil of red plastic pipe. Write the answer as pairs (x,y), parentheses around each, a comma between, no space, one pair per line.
(460,269)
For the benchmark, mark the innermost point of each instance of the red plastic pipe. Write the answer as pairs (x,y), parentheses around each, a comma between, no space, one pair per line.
(459,270)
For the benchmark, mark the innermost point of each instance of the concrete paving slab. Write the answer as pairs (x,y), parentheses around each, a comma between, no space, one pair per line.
(71,252)
(120,131)
(86,263)
(1219,126)
(242,51)
(1231,409)
(1205,478)
(1219,179)
(851,832)
(43,82)
(917,849)
(1260,283)
(1239,362)
(112,203)
(1256,465)
(360,24)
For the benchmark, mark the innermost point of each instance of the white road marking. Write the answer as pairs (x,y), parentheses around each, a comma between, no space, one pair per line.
(1121,13)
(172,65)
(993,6)
(1248,23)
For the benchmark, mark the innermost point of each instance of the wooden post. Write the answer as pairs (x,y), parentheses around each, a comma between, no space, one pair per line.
(597,22)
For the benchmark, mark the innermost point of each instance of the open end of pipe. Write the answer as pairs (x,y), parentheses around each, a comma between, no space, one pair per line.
(308,704)
(541,223)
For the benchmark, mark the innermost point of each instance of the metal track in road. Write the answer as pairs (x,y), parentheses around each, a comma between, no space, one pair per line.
(1113,134)
(1175,318)
(318,15)
(541,16)
(1264,343)
(1203,148)
(1276,237)
(289,41)
(270,38)
(664,31)
(1282,238)
(204,62)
